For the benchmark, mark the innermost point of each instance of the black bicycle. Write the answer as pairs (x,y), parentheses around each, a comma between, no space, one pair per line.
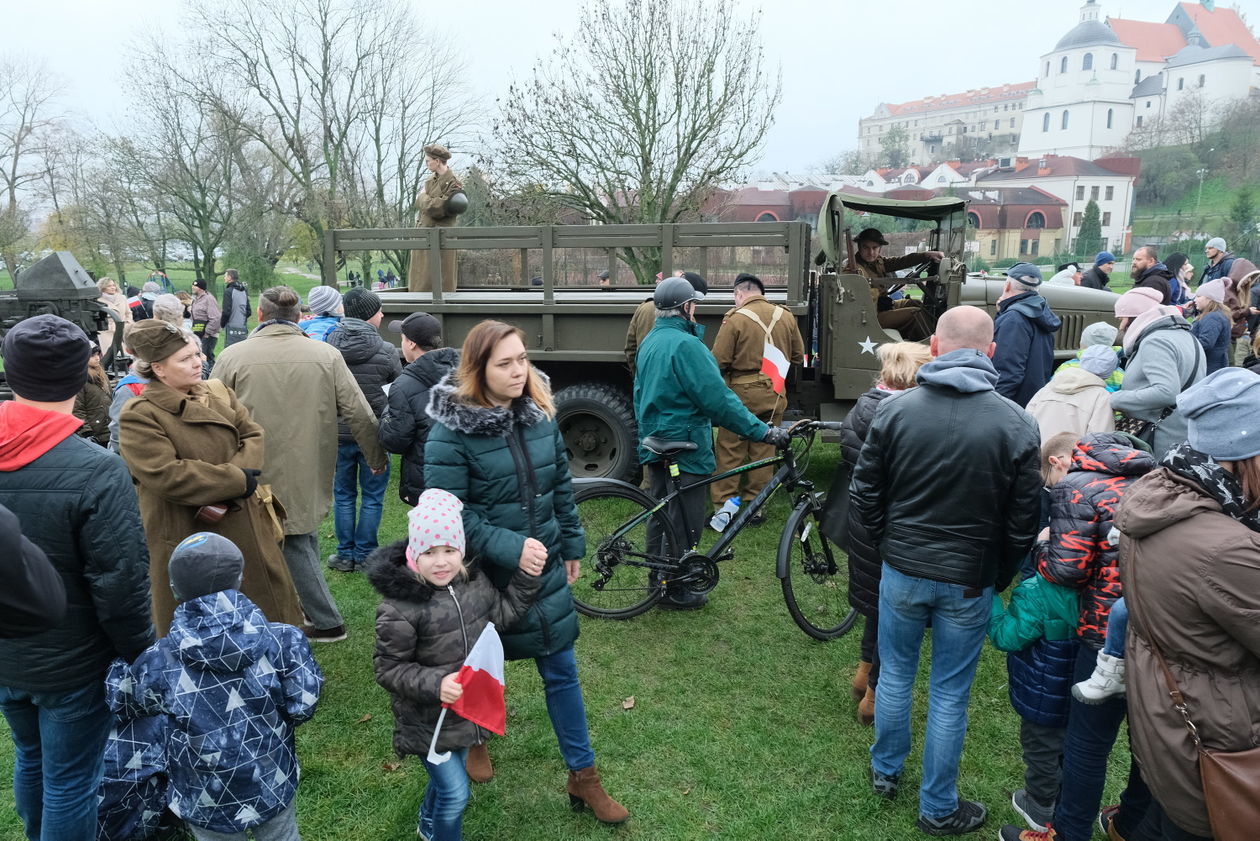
(635,554)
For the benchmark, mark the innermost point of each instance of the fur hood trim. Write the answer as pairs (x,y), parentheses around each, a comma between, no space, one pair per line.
(387,570)
(492,422)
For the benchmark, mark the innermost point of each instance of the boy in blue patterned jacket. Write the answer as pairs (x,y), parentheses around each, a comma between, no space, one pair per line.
(235,686)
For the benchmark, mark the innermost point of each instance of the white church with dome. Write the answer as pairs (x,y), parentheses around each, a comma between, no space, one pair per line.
(1105,78)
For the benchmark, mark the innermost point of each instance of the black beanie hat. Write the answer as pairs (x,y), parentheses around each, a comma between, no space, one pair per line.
(360,303)
(46,358)
(205,563)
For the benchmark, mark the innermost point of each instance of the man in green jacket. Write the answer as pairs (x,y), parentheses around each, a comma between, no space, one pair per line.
(679,394)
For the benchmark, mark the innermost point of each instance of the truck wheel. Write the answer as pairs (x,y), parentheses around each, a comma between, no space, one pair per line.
(597,422)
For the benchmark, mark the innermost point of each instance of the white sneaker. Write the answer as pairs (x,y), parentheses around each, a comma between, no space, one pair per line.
(1107,681)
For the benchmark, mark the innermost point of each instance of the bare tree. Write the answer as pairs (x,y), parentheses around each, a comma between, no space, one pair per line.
(640,113)
(28,94)
(298,77)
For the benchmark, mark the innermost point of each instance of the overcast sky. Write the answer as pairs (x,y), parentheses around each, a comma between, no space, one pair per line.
(838,58)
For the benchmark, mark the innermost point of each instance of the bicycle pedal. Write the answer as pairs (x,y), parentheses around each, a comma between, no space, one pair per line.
(725,556)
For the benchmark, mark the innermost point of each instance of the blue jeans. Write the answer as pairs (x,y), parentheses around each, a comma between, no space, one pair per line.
(281,827)
(445,798)
(1091,732)
(59,739)
(566,709)
(959,623)
(1117,627)
(356,539)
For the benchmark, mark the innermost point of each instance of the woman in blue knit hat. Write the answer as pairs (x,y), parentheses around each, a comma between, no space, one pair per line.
(1190,563)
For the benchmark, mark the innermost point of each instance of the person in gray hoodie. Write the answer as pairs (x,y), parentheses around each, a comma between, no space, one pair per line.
(1162,359)
(374,364)
(953,506)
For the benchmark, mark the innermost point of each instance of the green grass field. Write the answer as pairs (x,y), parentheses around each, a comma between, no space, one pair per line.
(741,728)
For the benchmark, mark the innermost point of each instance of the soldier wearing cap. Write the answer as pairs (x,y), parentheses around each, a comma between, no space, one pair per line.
(741,352)
(434,213)
(905,316)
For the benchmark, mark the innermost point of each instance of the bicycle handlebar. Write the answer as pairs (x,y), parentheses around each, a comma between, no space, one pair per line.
(808,425)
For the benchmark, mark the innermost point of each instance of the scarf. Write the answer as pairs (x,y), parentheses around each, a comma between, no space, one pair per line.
(1146,319)
(1217,482)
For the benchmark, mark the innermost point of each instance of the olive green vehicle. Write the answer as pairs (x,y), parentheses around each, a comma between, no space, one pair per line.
(577,334)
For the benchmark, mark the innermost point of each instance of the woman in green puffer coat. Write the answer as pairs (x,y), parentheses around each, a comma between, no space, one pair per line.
(495,445)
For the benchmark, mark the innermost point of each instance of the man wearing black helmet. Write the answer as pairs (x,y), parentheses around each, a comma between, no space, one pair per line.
(679,395)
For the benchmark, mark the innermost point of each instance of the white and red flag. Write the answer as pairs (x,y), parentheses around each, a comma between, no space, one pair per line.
(482,700)
(775,366)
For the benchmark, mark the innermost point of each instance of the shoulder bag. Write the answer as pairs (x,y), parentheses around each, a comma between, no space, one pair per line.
(1230,779)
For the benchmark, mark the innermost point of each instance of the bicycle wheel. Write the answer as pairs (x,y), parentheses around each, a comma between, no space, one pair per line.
(616,581)
(814,575)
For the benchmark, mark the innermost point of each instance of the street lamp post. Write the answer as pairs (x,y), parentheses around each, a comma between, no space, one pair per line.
(1199,204)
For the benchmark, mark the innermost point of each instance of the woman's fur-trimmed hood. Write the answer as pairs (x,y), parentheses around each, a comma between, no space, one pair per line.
(493,421)
(387,570)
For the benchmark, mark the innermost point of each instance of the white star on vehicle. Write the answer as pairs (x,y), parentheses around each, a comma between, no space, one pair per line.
(868,346)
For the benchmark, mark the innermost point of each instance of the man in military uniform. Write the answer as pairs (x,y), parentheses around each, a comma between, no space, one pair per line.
(434,213)
(905,316)
(742,356)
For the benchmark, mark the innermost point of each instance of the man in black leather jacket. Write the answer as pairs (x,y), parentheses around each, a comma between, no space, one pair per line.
(948,486)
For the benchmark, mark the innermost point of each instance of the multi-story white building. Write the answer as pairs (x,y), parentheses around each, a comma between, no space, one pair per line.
(985,121)
(1103,79)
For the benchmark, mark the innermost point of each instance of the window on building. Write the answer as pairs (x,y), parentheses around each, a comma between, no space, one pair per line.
(1148,103)
(1045,121)
(1036,219)
(1110,194)
(992,248)
(1012,125)
(1137,76)
(1063,120)
(997,124)
(1080,193)
(940,179)
(1076,219)
(1115,61)
(973,219)
(1063,65)
(1093,193)
(1023,246)
(1034,246)
(1106,218)
(1109,116)
(1139,122)
(1181,84)
(1047,73)
(1087,63)
(1202,79)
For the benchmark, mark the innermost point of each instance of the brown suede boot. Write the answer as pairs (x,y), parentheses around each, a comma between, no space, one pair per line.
(866,708)
(859,680)
(585,789)
(478,765)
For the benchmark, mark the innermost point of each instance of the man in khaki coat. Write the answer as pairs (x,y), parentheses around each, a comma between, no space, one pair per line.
(740,348)
(431,203)
(906,315)
(295,388)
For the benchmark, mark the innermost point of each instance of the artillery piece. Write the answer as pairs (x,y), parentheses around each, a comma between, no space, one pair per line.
(58,285)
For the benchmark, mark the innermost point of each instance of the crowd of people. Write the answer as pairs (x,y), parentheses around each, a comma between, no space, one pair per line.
(169,583)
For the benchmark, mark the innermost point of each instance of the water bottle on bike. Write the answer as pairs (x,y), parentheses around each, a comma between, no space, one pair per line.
(722,517)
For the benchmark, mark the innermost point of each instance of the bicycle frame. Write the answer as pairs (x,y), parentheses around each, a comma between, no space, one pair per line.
(785,475)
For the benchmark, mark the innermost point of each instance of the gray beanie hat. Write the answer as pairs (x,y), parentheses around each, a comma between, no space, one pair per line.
(323,299)
(1221,414)
(1219,244)
(1098,333)
(205,563)
(360,303)
(1100,361)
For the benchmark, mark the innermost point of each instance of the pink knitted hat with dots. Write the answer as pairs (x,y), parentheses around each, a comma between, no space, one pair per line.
(437,520)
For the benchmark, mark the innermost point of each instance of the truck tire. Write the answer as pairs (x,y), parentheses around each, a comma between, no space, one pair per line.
(597,422)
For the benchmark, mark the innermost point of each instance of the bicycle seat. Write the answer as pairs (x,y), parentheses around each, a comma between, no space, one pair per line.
(667,448)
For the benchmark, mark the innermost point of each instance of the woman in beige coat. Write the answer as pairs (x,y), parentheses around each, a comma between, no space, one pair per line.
(1190,563)
(190,444)
(431,203)
(116,301)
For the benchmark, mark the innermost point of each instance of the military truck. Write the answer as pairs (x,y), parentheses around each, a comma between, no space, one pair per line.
(577,334)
